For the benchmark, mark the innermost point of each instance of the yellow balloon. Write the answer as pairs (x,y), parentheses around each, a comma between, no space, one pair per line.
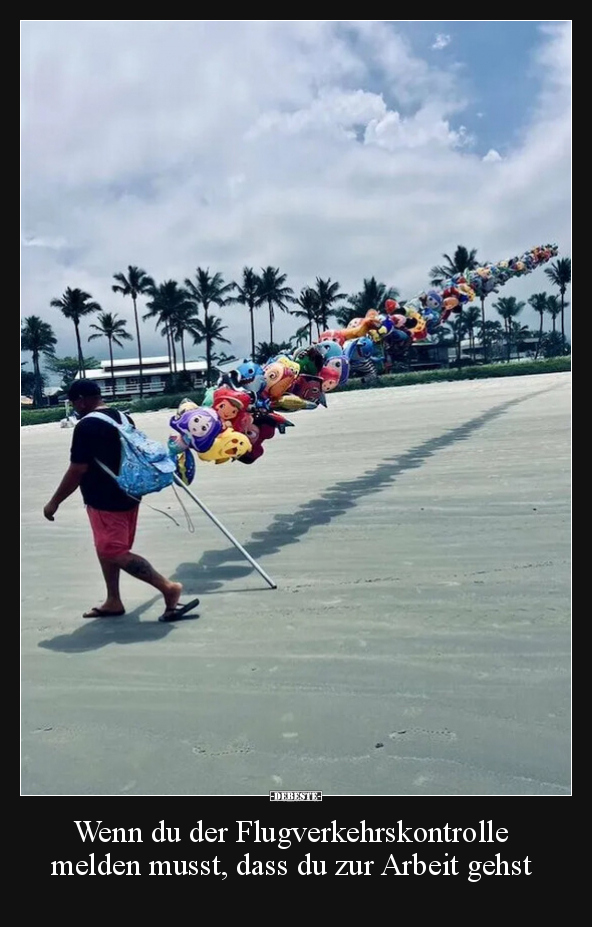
(229,445)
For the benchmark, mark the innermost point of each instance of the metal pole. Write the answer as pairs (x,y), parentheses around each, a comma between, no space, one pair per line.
(224,530)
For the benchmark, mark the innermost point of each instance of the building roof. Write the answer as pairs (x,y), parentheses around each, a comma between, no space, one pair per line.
(131,368)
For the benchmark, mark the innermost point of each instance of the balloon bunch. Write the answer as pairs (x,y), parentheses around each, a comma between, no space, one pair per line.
(490,277)
(432,308)
(245,408)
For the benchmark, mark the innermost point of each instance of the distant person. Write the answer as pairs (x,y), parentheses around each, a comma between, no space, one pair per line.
(112,513)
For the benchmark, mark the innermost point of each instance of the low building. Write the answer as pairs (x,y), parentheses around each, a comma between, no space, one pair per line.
(524,349)
(122,381)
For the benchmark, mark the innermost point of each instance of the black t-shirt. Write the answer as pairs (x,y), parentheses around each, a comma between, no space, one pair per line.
(93,439)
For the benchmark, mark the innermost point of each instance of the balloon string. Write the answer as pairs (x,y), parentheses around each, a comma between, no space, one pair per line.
(190,525)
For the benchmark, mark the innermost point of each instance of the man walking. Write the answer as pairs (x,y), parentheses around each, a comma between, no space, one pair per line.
(112,513)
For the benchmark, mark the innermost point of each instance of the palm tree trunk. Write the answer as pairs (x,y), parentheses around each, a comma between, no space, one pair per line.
(208,345)
(483,342)
(169,350)
(538,347)
(270,322)
(112,370)
(80,357)
(139,345)
(37,387)
(562,322)
(174,352)
(252,333)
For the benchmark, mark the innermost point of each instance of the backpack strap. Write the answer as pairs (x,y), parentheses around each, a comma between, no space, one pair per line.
(108,419)
(121,429)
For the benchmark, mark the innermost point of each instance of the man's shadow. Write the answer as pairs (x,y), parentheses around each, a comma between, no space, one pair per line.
(215,568)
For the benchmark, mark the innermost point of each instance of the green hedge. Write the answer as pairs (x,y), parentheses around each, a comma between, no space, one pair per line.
(482,372)
(485,371)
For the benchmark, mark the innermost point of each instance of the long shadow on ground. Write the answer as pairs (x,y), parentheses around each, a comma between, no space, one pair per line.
(215,568)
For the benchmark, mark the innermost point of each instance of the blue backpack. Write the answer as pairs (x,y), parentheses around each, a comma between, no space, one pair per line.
(146,465)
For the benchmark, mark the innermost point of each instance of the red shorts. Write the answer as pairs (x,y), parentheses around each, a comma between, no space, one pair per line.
(113,532)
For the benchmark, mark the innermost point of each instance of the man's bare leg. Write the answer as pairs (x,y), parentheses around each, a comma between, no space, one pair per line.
(111,574)
(112,606)
(139,568)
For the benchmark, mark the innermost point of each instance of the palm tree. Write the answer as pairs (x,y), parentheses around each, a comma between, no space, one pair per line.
(461,262)
(135,284)
(508,307)
(301,336)
(327,294)
(309,307)
(68,367)
(27,381)
(274,291)
(538,301)
(74,305)
(559,273)
(206,290)
(38,338)
(471,316)
(554,308)
(493,337)
(518,333)
(265,350)
(249,295)
(372,296)
(182,319)
(114,330)
(223,358)
(456,325)
(210,331)
(168,303)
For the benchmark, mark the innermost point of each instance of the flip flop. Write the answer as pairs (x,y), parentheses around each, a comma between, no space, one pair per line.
(180,611)
(103,613)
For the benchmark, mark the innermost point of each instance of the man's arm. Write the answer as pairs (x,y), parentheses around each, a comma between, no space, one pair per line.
(69,484)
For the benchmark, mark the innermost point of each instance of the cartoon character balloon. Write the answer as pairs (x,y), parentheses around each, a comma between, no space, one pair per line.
(199,427)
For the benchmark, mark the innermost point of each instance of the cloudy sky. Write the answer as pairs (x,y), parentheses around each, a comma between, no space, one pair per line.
(340,149)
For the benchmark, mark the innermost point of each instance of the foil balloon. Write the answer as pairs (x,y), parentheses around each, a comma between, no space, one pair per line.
(333,334)
(329,349)
(231,405)
(279,376)
(289,402)
(250,376)
(200,427)
(185,467)
(263,428)
(330,378)
(229,445)
(341,365)
(309,388)
(359,349)
(186,405)
(310,359)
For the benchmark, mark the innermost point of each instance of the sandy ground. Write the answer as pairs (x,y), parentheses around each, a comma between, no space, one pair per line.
(418,642)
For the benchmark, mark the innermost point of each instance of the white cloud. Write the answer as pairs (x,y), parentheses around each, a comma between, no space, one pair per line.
(324,148)
(493,155)
(441,41)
